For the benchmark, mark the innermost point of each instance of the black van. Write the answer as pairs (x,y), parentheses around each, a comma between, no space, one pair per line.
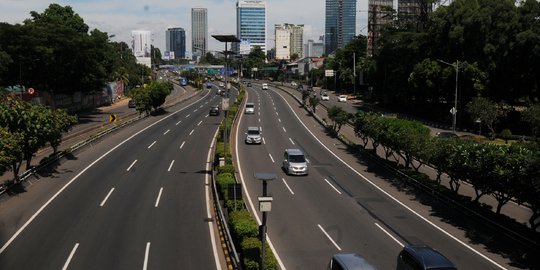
(419,257)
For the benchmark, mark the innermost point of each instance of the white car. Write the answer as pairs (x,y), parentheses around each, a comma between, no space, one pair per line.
(221,84)
(325,96)
(342,98)
(293,84)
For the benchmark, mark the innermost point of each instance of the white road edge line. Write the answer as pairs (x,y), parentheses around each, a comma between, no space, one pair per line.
(339,192)
(70,256)
(271,158)
(182,145)
(21,229)
(170,166)
(133,163)
(253,209)
(392,197)
(166,132)
(158,197)
(208,203)
(287,185)
(329,238)
(106,197)
(146,253)
(391,236)
(152,144)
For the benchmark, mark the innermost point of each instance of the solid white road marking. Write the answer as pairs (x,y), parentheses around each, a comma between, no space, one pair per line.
(285,182)
(146,253)
(151,145)
(182,144)
(158,197)
(199,123)
(106,197)
(390,196)
(328,236)
(170,166)
(387,233)
(332,186)
(209,203)
(166,132)
(133,163)
(291,141)
(271,158)
(34,216)
(70,256)
(191,132)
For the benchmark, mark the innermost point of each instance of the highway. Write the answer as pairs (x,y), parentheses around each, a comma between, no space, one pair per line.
(337,207)
(137,200)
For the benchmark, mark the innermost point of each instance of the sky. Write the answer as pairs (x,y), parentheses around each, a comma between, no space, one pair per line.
(120,17)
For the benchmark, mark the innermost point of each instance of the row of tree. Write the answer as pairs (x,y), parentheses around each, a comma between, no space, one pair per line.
(151,96)
(25,128)
(54,51)
(504,172)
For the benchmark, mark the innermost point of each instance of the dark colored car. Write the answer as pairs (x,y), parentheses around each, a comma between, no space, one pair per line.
(349,261)
(300,87)
(132,104)
(214,110)
(420,257)
(249,84)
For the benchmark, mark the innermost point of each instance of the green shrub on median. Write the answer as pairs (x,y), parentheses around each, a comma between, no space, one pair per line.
(243,225)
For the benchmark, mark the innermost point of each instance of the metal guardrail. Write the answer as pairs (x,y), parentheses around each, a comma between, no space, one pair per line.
(435,194)
(26,174)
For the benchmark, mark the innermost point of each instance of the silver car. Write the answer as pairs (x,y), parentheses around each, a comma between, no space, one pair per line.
(253,135)
(295,162)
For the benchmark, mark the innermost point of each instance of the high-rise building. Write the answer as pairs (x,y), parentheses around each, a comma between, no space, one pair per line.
(340,24)
(141,42)
(313,49)
(379,15)
(199,31)
(175,41)
(250,25)
(413,14)
(289,40)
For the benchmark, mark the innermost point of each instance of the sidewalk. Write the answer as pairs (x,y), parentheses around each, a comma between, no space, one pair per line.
(96,121)
(519,213)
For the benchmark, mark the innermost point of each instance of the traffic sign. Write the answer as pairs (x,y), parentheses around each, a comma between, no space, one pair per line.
(329,73)
(112,118)
(30,91)
(453,110)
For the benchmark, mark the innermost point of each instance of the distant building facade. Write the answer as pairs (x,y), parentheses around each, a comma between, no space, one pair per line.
(199,31)
(141,42)
(340,24)
(289,40)
(413,14)
(250,25)
(175,41)
(313,49)
(379,15)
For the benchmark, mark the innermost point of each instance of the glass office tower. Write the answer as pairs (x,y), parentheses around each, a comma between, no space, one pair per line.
(199,31)
(250,25)
(175,41)
(340,24)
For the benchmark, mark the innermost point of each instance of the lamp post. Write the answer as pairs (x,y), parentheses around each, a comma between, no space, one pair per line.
(226,39)
(265,205)
(453,111)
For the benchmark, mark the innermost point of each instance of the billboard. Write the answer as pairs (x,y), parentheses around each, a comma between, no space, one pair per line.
(245,46)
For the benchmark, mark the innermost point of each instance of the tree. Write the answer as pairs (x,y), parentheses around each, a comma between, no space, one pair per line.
(10,149)
(294,57)
(313,102)
(532,116)
(152,96)
(305,96)
(484,110)
(339,117)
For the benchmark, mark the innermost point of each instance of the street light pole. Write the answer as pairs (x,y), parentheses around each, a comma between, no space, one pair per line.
(453,111)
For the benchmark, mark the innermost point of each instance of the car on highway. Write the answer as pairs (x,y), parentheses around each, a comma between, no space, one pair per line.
(214,110)
(132,103)
(221,84)
(208,85)
(295,162)
(422,257)
(346,261)
(250,108)
(342,98)
(264,86)
(293,83)
(325,96)
(253,135)
(248,84)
